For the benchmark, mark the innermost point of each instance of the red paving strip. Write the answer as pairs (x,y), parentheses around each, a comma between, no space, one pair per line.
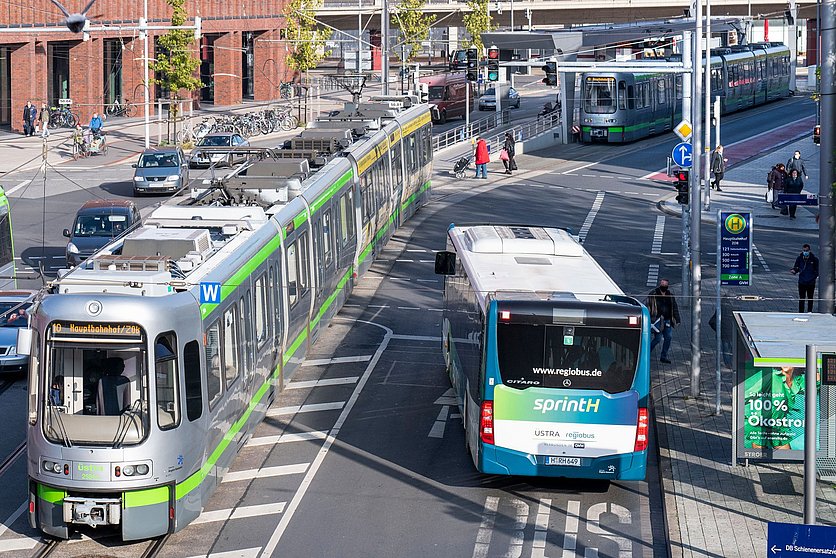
(659,177)
(746,149)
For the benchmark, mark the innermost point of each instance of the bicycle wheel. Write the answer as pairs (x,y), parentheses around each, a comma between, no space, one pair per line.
(111,109)
(289,122)
(264,126)
(70,120)
(128,110)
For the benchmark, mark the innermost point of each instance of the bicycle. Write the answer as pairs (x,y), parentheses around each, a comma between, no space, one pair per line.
(120,109)
(62,116)
(286,89)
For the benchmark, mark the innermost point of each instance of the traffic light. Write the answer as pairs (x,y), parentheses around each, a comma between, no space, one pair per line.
(472,64)
(493,63)
(681,186)
(423,92)
(551,73)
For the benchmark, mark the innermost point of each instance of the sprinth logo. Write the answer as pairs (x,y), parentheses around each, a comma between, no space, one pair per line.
(566,405)
(735,223)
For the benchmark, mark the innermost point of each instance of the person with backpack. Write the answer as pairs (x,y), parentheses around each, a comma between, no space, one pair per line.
(664,315)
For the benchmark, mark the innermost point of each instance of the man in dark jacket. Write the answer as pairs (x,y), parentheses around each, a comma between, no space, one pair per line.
(28,124)
(807,268)
(796,163)
(718,167)
(664,315)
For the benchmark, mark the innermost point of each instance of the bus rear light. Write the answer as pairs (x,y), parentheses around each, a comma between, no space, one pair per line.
(633,320)
(486,423)
(31,506)
(642,430)
(505,315)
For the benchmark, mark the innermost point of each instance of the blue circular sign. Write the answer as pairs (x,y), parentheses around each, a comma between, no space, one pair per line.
(682,154)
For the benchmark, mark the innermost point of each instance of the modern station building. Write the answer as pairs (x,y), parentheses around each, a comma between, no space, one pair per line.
(242,55)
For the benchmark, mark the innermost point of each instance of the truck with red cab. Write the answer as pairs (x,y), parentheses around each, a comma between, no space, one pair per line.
(447,94)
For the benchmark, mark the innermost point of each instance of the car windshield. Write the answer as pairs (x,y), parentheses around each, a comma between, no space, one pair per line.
(13,314)
(100,225)
(215,141)
(489,93)
(152,160)
(436,92)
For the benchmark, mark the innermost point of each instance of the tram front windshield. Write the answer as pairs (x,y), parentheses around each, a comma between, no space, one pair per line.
(599,96)
(96,394)
(571,357)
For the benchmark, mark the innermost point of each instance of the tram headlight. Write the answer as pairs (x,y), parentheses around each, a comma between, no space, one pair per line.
(142,469)
(72,248)
(52,467)
(48,466)
(128,470)
(56,468)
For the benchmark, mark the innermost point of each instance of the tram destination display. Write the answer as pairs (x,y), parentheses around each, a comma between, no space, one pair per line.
(93,330)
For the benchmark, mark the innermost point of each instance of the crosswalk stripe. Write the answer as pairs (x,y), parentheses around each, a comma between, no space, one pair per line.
(309,408)
(242,512)
(266,472)
(321,383)
(587,224)
(243,553)
(336,360)
(286,438)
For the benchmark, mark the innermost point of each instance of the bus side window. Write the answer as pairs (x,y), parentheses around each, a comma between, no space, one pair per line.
(622,95)
(631,97)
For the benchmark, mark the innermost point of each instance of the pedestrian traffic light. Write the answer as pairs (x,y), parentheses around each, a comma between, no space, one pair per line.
(681,184)
(551,73)
(472,64)
(493,63)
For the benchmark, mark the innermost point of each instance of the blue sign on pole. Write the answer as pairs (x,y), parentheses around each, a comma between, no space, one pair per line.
(210,292)
(786,540)
(682,154)
(797,199)
(735,248)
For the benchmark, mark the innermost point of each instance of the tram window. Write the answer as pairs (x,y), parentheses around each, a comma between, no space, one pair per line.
(678,85)
(427,140)
(292,274)
(622,95)
(661,92)
(191,369)
(260,312)
(599,95)
(165,368)
(302,241)
(396,164)
(230,346)
(367,193)
(275,305)
(213,363)
(631,99)
(245,331)
(411,153)
(327,237)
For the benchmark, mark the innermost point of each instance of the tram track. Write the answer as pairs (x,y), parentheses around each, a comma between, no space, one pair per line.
(6,384)
(12,457)
(155,547)
(47,549)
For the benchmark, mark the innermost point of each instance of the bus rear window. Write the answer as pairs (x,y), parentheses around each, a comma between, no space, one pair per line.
(570,357)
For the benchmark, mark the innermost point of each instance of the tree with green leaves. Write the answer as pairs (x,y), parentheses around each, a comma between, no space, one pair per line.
(177,64)
(414,25)
(305,36)
(477,21)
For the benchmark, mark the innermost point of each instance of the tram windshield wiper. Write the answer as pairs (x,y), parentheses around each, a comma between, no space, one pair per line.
(62,431)
(128,418)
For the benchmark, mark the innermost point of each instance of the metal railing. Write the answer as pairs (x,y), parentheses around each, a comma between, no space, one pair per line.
(521,132)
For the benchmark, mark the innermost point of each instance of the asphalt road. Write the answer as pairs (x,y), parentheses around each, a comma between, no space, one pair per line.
(364,454)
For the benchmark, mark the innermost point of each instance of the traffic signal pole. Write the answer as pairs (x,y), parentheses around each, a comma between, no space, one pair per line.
(696,206)
(686,116)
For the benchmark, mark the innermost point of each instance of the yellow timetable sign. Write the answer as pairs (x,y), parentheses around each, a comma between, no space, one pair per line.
(93,330)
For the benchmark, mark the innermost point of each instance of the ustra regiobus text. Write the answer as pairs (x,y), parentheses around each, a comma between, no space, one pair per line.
(568,372)
(566,405)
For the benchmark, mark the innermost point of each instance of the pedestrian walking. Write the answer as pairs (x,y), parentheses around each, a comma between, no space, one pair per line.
(28,120)
(664,316)
(482,158)
(718,167)
(793,185)
(776,179)
(796,163)
(43,118)
(510,150)
(807,268)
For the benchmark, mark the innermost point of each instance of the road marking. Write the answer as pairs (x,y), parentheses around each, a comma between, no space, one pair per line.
(437,431)
(309,408)
(400,337)
(593,518)
(18,187)
(587,224)
(570,537)
(515,545)
(12,518)
(243,553)
(760,258)
(426,261)
(20,543)
(408,308)
(541,527)
(658,234)
(322,383)
(323,451)
(417,250)
(427,280)
(286,438)
(402,260)
(589,175)
(576,169)
(241,512)
(485,532)
(336,360)
(266,472)
(652,275)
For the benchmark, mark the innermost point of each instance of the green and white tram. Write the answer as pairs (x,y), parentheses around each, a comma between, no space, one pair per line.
(153,361)
(548,358)
(7,247)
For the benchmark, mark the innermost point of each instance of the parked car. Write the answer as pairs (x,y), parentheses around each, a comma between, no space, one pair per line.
(817,134)
(96,224)
(215,154)
(448,96)
(14,314)
(160,169)
(510,98)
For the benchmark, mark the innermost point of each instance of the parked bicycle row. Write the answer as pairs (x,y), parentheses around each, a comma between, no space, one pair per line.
(246,125)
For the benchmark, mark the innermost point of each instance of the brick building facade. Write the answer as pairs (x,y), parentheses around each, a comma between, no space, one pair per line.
(240,51)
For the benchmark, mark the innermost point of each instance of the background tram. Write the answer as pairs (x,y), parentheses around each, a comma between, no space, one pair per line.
(548,358)
(153,361)
(618,107)
(7,256)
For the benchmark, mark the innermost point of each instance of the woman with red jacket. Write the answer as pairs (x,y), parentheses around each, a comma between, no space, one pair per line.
(482,158)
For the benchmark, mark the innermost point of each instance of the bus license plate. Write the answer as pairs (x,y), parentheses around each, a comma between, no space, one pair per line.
(560,460)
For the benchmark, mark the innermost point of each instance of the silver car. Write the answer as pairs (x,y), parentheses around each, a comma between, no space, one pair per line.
(160,169)
(510,98)
(14,314)
(218,149)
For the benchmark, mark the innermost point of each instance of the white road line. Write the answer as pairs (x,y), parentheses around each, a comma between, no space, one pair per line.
(336,360)
(20,543)
(485,532)
(241,512)
(649,194)
(286,438)
(416,338)
(589,175)
(417,250)
(309,408)
(760,258)
(322,383)
(652,275)
(406,261)
(266,472)
(427,280)
(658,235)
(587,224)
(541,527)
(437,431)
(323,451)
(243,553)
(570,538)
(576,169)
(18,187)
(12,518)
(408,308)
(377,305)
(426,261)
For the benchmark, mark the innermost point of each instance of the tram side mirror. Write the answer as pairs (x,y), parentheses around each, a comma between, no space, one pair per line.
(24,341)
(445,263)
(67,233)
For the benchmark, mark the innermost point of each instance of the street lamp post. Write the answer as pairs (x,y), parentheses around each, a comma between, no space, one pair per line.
(145,76)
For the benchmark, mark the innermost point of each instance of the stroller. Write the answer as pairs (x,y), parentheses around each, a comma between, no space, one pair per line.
(462,165)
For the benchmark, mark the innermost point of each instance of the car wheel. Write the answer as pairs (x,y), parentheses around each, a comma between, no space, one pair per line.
(443,118)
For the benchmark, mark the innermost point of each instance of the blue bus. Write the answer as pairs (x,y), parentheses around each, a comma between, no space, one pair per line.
(548,358)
